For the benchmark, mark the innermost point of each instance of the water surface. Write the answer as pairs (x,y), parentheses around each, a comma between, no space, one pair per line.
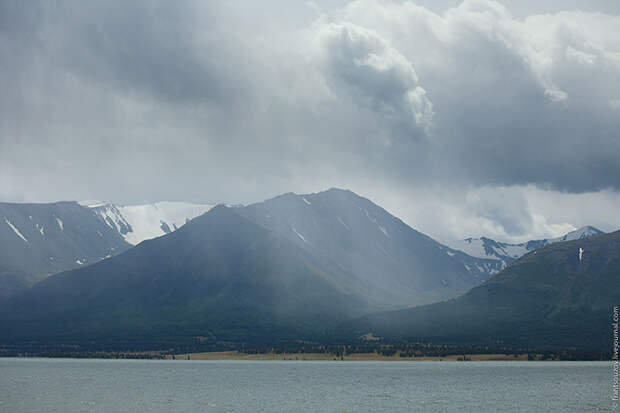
(72,385)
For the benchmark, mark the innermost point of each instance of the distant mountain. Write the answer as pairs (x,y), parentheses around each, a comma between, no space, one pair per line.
(219,277)
(384,260)
(137,223)
(561,295)
(507,253)
(37,240)
(288,268)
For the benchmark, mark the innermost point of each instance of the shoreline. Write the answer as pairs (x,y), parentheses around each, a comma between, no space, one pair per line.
(235,355)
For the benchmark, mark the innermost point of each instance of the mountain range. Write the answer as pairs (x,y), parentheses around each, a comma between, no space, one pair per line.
(38,240)
(25,263)
(295,267)
(506,253)
(558,296)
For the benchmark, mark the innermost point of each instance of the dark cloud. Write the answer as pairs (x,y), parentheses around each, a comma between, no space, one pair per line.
(360,64)
(515,101)
(218,101)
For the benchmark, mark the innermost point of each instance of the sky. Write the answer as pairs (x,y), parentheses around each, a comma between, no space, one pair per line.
(463,118)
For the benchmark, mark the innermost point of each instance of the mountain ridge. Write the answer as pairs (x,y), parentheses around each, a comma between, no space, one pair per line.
(161,287)
(560,295)
(41,239)
(38,240)
(137,223)
(506,253)
(292,266)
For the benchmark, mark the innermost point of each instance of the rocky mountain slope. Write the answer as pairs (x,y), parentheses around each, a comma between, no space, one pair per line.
(37,240)
(506,253)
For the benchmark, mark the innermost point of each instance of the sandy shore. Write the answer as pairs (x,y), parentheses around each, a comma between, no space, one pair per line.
(234,355)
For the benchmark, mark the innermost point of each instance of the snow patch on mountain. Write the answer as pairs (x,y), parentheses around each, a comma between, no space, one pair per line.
(299,235)
(374,221)
(15,230)
(91,203)
(507,253)
(488,248)
(137,223)
(581,233)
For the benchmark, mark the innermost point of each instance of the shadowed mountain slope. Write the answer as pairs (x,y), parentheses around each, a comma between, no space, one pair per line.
(290,268)
(220,276)
(560,295)
(41,239)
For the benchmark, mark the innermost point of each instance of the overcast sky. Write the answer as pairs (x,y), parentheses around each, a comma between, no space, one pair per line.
(462,118)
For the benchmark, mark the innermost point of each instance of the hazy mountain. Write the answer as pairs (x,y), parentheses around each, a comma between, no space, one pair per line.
(384,260)
(506,253)
(367,251)
(37,240)
(137,223)
(286,268)
(219,276)
(559,295)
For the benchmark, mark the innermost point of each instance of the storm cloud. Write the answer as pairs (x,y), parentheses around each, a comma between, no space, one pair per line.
(459,117)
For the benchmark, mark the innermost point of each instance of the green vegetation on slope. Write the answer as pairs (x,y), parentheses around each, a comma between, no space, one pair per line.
(558,296)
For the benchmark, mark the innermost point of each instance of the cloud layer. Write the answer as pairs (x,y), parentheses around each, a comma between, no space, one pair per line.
(479,106)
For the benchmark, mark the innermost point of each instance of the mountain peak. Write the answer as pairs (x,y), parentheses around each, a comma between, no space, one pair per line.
(583,232)
(219,208)
(335,190)
(328,194)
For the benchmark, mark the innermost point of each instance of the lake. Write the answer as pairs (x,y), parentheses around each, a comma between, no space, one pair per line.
(76,385)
